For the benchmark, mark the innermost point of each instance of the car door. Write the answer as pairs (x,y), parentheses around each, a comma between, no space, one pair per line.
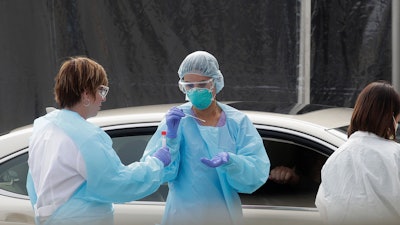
(276,203)
(15,207)
(271,204)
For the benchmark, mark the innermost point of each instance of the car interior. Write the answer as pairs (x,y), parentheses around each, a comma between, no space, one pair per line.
(302,155)
(13,175)
(307,164)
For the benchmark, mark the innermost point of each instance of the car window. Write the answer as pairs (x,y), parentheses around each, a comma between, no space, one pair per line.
(13,174)
(130,148)
(130,143)
(305,157)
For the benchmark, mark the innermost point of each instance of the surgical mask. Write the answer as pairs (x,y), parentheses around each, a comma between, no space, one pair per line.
(201,98)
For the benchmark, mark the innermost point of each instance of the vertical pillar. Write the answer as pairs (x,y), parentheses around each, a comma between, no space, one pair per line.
(305,51)
(395,44)
(303,80)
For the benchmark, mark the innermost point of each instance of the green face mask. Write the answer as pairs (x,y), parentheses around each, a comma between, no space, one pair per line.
(201,98)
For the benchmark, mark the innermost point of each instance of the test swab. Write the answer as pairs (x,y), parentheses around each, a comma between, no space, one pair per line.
(197,118)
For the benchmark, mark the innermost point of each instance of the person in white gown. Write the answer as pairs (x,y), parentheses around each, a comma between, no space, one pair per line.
(361,180)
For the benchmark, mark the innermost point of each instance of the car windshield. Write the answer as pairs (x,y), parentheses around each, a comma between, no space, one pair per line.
(343,129)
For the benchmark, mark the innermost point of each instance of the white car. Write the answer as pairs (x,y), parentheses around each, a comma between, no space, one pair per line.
(302,141)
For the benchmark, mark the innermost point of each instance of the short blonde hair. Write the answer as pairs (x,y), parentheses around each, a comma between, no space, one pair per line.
(76,75)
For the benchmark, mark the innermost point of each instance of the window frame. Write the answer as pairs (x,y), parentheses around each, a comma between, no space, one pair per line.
(298,138)
(265,131)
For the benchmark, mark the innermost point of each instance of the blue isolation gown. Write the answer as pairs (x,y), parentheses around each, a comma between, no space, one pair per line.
(107,179)
(199,194)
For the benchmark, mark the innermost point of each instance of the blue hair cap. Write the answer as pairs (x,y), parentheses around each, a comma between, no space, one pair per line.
(204,64)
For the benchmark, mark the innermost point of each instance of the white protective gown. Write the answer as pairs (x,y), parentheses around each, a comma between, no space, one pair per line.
(361,182)
(75,175)
(202,195)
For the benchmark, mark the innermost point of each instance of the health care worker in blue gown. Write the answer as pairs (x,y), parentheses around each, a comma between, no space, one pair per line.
(213,157)
(74,173)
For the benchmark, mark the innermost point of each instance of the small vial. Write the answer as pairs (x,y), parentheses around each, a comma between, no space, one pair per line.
(164,138)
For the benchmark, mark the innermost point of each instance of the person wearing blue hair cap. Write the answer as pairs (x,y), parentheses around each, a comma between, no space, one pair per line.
(74,173)
(216,152)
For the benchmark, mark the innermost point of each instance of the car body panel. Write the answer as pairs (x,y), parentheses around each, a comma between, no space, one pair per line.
(17,211)
(318,128)
(278,215)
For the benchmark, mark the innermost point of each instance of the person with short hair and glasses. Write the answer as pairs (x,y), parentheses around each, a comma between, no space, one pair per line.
(74,173)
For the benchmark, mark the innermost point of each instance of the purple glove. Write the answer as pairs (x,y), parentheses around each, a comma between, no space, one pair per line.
(163,155)
(218,160)
(173,118)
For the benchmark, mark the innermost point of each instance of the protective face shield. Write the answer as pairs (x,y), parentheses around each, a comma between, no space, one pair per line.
(187,86)
(199,93)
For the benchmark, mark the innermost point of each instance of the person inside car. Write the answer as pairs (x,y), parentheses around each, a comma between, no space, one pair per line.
(303,175)
(216,151)
(74,173)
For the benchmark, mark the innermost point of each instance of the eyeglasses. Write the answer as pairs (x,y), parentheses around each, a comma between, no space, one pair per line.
(103,91)
(186,86)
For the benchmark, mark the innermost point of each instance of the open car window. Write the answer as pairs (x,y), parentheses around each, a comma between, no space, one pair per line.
(300,154)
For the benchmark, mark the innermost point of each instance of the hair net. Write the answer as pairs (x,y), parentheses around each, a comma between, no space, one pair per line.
(202,63)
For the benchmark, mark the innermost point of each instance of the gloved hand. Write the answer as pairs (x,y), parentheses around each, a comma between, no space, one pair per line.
(218,160)
(163,155)
(173,118)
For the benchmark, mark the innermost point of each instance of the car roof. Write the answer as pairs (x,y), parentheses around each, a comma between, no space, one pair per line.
(333,117)
(329,118)
(316,121)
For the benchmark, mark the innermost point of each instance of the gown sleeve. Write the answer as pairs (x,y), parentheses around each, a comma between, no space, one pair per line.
(155,143)
(110,181)
(248,168)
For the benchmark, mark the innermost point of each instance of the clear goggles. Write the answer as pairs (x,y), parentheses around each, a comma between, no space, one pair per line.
(103,91)
(186,86)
